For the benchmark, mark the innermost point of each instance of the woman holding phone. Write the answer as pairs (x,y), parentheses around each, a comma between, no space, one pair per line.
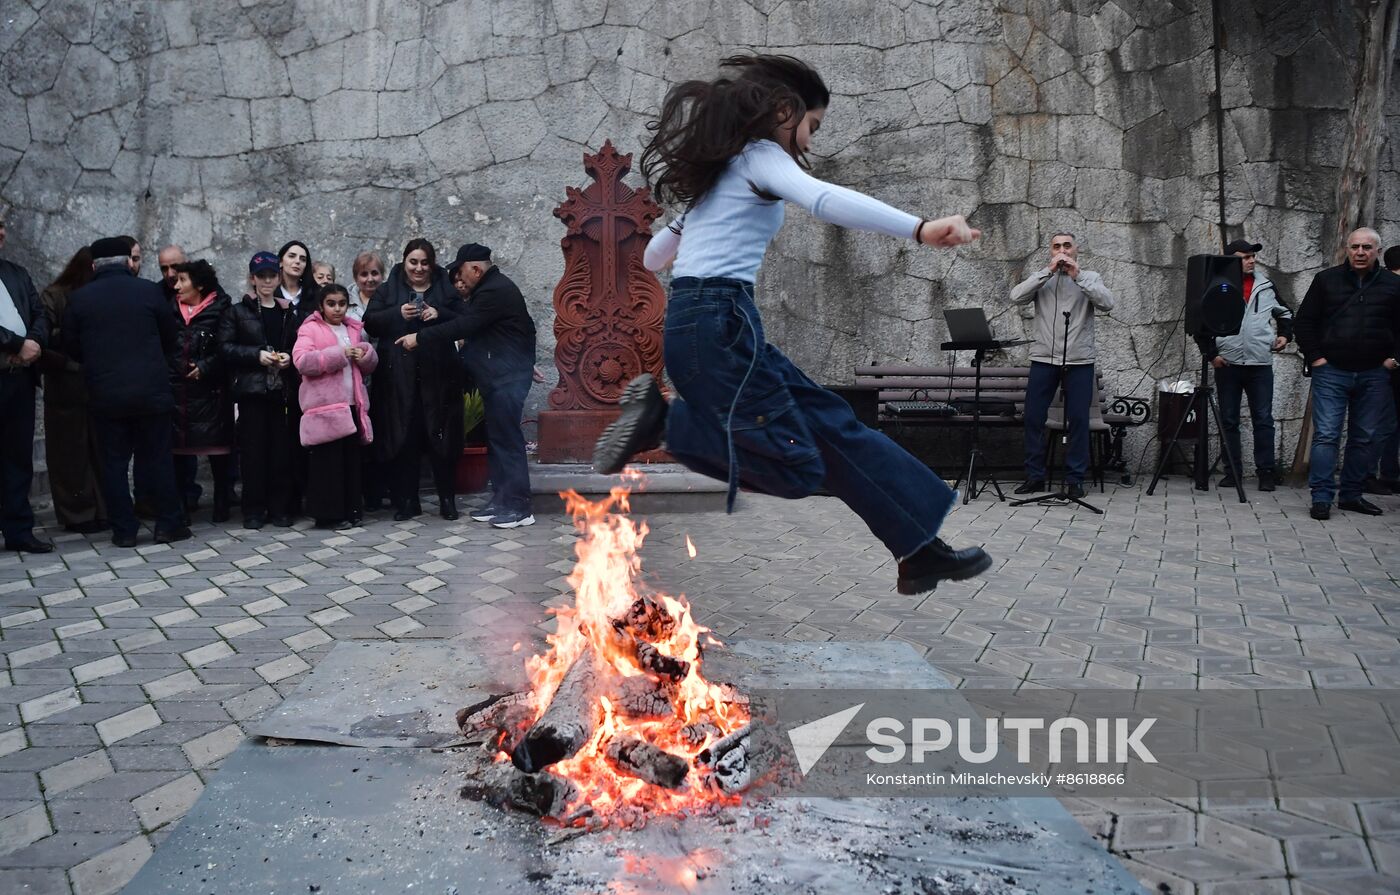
(417,395)
(203,410)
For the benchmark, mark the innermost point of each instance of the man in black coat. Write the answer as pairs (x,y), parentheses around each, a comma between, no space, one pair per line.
(23,333)
(500,356)
(1348,329)
(124,332)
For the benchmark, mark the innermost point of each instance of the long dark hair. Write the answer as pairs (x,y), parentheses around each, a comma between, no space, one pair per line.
(308,279)
(703,124)
(77,272)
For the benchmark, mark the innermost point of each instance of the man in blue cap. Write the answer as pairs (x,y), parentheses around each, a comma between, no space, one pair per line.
(500,356)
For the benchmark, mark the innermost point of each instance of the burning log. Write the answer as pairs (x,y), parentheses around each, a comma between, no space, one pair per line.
(637,632)
(568,723)
(645,761)
(699,732)
(733,761)
(542,795)
(509,715)
(716,750)
(643,697)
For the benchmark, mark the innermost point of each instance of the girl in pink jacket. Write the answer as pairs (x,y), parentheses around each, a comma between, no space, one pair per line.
(332,356)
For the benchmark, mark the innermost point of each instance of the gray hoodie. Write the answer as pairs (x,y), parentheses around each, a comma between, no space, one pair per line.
(1055,295)
(1253,346)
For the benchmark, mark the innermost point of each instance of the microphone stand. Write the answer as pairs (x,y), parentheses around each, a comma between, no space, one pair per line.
(1062,496)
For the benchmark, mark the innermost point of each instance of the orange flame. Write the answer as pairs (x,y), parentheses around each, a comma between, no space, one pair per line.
(606,580)
(690,546)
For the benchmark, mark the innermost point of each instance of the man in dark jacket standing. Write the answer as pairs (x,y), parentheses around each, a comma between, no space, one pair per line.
(1348,329)
(500,356)
(123,330)
(23,333)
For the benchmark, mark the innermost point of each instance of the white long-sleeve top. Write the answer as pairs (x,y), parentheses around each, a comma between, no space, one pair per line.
(726,233)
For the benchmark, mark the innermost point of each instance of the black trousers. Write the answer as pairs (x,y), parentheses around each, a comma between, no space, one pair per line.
(16,454)
(266,443)
(187,475)
(404,468)
(333,489)
(147,439)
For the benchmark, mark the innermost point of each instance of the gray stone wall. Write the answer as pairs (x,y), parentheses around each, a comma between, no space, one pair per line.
(353,124)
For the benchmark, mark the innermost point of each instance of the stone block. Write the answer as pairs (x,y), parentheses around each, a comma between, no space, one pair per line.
(175,77)
(1127,99)
(282,121)
(1051,184)
(457,145)
(1005,180)
(416,64)
(571,15)
(513,129)
(34,62)
(934,103)
(95,142)
(75,772)
(252,69)
(406,112)
(572,111)
(212,128)
(1087,141)
(1155,148)
(24,828)
(879,25)
(49,118)
(1015,94)
(516,78)
(345,115)
(179,25)
(1185,89)
(128,724)
(1119,196)
(214,747)
(42,179)
(316,72)
(14,122)
(168,803)
(456,29)
(367,59)
(974,104)
(1309,91)
(109,871)
(1044,59)
(90,82)
(1068,94)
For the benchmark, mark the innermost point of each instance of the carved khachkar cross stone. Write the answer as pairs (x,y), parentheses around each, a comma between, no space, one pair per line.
(609,309)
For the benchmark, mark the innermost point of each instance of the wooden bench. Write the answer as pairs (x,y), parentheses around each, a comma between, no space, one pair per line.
(900,390)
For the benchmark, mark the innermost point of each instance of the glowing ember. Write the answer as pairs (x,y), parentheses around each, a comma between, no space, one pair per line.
(690,546)
(639,641)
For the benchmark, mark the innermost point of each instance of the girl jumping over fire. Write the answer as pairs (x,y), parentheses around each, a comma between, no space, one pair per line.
(732,151)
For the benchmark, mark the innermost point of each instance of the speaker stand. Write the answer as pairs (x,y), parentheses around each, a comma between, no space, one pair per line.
(1202,397)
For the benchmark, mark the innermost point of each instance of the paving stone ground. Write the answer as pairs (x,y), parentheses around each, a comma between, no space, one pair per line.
(129,674)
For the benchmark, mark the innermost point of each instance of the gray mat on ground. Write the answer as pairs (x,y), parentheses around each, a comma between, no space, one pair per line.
(301,818)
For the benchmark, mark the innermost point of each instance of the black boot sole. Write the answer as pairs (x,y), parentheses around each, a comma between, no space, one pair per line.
(925,583)
(637,429)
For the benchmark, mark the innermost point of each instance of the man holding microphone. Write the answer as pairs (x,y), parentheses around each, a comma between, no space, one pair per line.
(1065,299)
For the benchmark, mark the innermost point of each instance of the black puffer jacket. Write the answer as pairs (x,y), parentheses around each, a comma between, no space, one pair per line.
(430,376)
(1352,333)
(240,339)
(203,407)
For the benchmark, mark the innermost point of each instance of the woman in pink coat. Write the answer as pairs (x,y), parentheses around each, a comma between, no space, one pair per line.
(332,356)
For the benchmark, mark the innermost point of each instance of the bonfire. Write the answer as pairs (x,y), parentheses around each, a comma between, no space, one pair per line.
(619,723)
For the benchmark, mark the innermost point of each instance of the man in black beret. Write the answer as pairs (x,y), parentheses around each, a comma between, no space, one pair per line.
(23,333)
(123,330)
(500,356)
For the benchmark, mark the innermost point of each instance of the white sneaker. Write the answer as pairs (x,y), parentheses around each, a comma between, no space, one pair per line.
(486,514)
(512,520)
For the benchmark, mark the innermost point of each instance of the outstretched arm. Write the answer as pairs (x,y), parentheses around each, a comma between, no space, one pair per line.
(773,171)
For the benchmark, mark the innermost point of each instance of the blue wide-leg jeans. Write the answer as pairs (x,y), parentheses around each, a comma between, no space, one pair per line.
(747,415)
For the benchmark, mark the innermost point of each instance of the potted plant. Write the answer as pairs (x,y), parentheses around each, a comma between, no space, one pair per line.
(471,466)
